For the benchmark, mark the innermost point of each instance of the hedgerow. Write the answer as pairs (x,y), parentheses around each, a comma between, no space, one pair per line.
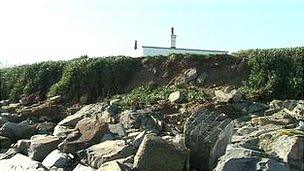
(93,78)
(275,73)
(21,81)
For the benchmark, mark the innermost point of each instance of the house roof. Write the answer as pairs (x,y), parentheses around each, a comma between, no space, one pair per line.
(204,50)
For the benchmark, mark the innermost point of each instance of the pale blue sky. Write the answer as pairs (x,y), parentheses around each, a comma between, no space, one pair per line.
(37,30)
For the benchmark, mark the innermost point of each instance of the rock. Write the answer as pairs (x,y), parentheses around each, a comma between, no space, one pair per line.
(39,148)
(83,99)
(223,96)
(219,148)
(155,153)
(57,159)
(107,151)
(202,130)
(45,128)
(7,154)
(65,126)
(62,131)
(4,102)
(114,166)
(22,146)
(115,102)
(11,108)
(190,74)
(87,132)
(118,130)
(139,119)
(11,117)
(109,115)
(81,167)
(55,99)
(38,136)
(2,121)
(271,165)
(175,97)
(5,142)
(138,139)
(257,107)
(298,111)
(107,137)
(16,131)
(238,159)
(20,162)
(201,78)
(88,110)
(301,126)
(44,112)
(288,104)
(23,101)
(291,150)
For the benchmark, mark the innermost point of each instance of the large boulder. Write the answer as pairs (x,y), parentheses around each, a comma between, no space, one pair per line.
(275,138)
(202,131)
(87,132)
(155,153)
(44,112)
(81,167)
(65,126)
(106,151)
(20,162)
(11,108)
(86,111)
(57,159)
(16,131)
(5,142)
(45,128)
(3,120)
(140,119)
(239,159)
(114,166)
(290,148)
(39,148)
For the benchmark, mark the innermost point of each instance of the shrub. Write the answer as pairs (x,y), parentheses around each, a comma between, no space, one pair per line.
(94,77)
(25,80)
(275,73)
(148,95)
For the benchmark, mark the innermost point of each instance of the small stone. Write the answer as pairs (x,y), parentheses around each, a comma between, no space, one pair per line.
(175,97)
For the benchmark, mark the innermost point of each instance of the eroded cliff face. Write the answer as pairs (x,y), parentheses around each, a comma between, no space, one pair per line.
(173,114)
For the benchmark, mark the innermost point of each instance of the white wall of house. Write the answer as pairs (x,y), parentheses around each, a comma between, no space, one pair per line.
(149,51)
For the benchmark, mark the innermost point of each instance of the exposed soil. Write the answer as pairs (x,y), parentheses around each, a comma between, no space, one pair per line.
(221,70)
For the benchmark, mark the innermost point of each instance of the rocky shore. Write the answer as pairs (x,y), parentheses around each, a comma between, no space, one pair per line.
(228,133)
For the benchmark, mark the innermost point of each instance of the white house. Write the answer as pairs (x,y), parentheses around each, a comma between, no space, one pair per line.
(155,51)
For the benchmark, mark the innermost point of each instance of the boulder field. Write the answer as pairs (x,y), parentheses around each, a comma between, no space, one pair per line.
(227,133)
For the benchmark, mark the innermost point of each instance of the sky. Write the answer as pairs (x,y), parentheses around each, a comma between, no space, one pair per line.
(39,30)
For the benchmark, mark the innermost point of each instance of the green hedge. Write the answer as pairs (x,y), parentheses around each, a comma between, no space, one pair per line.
(21,81)
(275,73)
(91,77)
(94,78)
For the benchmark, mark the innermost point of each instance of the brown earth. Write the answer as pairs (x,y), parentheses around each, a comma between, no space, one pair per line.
(221,70)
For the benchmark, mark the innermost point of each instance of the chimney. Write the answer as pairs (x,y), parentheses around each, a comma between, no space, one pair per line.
(135,45)
(173,38)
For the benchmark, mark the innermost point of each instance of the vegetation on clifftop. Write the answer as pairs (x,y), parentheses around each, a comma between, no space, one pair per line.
(274,73)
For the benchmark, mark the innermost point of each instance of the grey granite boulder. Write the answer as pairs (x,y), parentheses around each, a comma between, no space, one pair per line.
(20,162)
(154,153)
